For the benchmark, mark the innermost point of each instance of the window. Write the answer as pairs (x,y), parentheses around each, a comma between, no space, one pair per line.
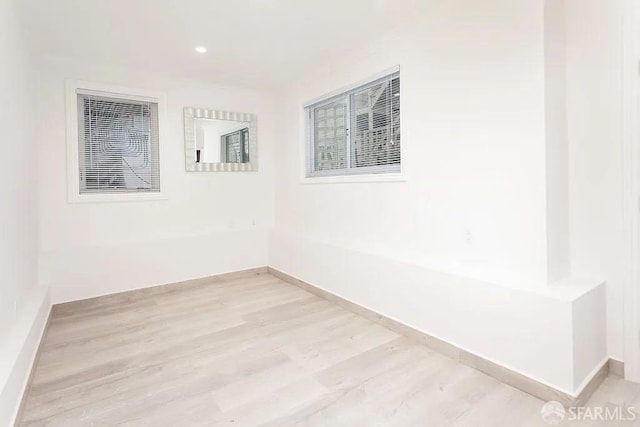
(114,145)
(356,132)
(235,147)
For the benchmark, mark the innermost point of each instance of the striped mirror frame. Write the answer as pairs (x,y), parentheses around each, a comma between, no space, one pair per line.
(192,113)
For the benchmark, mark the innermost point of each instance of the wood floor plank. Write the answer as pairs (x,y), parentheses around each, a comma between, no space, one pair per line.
(249,350)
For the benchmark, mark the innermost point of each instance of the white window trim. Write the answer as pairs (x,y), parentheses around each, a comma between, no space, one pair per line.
(347,179)
(401,176)
(73,166)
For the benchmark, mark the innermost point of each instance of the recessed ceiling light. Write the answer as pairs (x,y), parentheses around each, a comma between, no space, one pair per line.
(201,49)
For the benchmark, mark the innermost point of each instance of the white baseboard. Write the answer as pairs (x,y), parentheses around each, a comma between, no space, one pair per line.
(19,353)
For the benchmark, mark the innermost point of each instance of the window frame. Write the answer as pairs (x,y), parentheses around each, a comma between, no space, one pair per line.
(347,175)
(72,88)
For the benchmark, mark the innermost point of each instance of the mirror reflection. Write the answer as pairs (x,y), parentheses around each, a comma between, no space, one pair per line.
(221,141)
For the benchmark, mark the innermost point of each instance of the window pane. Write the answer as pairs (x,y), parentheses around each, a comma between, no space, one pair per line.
(233,147)
(118,145)
(245,145)
(357,132)
(329,136)
(375,140)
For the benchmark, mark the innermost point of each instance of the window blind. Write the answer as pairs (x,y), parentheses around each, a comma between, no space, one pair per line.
(356,132)
(118,145)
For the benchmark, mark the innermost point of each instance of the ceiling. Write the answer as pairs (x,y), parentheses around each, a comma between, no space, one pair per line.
(258,43)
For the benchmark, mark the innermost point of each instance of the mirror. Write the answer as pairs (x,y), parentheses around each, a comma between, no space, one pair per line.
(219,141)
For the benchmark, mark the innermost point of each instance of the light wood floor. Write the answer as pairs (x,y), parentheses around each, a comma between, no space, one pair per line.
(254,350)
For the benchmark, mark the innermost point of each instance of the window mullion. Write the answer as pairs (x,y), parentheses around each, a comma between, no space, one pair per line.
(348,128)
(311,146)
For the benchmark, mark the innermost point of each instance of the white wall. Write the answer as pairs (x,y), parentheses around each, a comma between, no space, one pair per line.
(474,128)
(18,190)
(473,117)
(210,223)
(594,99)
(22,303)
(557,145)
(485,127)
